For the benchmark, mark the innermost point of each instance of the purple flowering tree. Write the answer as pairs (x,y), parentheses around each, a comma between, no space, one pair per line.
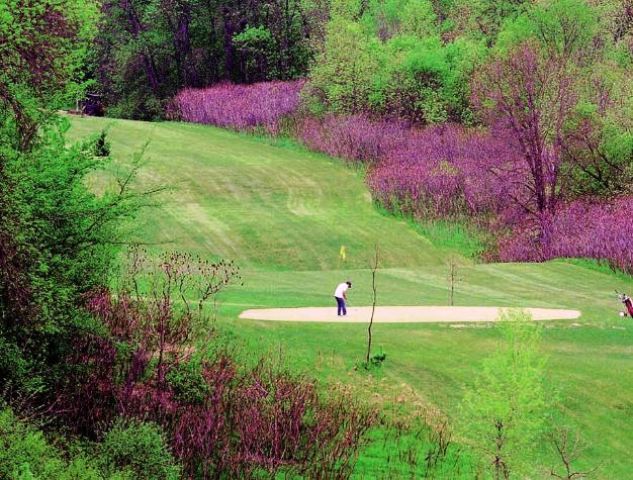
(530,96)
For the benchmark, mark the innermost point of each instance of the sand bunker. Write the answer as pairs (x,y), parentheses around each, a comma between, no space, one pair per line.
(400,314)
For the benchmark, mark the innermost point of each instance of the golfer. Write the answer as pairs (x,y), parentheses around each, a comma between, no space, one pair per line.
(341,296)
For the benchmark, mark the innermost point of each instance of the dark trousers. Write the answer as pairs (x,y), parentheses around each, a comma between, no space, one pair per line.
(340,303)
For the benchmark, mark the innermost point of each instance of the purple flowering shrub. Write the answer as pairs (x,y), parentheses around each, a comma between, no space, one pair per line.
(294,407)
(597,230)
(438,171)
(449,171)
(202,437)
(242,107)
(289,427)
(446,171)
(355,138)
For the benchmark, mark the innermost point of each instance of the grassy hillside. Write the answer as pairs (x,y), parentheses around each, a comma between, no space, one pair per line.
(264,206)
(283,214)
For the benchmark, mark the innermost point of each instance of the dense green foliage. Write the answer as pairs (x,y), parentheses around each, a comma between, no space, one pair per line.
(420,61)
(187,382)
(592,60)
(64,237)
(391,59)
(43,45)
(128,451)
(56,234)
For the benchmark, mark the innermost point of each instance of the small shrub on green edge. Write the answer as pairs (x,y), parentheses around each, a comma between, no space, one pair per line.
(139,448)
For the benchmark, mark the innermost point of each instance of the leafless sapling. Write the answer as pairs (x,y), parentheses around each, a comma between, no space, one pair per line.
(453,279)
(374,268)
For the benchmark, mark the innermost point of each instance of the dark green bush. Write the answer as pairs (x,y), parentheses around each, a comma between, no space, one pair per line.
(138,448)
(187,382)
(377,358)
(102,145)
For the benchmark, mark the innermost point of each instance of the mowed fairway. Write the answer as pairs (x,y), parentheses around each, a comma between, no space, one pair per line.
(264,207)
(283,214)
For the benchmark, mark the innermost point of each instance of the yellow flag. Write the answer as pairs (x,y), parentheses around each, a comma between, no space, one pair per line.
(342,253)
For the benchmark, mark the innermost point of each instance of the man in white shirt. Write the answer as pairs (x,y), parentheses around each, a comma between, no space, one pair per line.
(341,296)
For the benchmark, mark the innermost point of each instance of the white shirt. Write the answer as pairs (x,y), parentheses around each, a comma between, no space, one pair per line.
(340,290)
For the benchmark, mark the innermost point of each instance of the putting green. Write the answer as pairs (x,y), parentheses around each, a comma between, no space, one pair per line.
(401,314)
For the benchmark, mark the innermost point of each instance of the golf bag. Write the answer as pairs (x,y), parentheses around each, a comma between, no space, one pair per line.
(626,300)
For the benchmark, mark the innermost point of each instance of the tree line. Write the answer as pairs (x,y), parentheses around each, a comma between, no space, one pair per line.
(145,51)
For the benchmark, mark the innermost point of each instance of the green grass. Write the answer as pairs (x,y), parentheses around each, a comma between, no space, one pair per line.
(283,214)
(450,236)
